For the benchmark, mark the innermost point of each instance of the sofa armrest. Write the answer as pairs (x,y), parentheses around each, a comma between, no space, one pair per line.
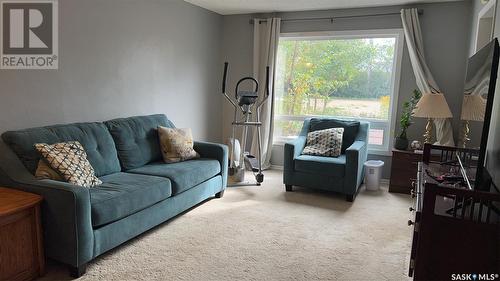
(356,156)
(215,151)
(66,214)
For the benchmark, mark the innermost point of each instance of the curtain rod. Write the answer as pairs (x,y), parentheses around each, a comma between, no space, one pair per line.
(333,18)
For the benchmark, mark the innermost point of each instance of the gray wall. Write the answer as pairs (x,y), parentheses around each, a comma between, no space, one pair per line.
(121,58)
(238,51)
(445,27)
(476,7)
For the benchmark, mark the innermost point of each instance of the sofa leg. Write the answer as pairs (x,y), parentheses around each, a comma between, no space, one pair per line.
(77,271)
(350,197)
(288,187)
(219,194)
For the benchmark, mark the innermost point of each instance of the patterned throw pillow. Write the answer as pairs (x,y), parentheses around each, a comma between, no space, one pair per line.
(326,142)
(44,171)
(69,159)
(176,144)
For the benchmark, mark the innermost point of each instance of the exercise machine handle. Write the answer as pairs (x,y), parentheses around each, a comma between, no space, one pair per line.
(266,94)
(224,80)
(243,79)
(267,81)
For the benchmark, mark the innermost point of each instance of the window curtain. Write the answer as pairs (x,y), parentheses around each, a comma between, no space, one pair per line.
(423,76)
(265,47)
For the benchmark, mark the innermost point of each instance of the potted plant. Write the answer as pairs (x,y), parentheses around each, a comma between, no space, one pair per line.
(401,141)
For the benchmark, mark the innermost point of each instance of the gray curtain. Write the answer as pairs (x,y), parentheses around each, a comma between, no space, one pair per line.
(266,37)
(423,75)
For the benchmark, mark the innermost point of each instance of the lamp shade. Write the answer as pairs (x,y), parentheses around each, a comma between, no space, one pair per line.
(432,106)
(473,108)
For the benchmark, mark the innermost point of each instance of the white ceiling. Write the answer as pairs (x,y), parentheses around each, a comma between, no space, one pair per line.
(230,7)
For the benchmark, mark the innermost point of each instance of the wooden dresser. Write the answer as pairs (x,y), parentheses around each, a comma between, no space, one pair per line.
(403,170)
(21,247)
(456,229)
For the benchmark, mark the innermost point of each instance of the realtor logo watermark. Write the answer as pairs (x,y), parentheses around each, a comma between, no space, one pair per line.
(29,34)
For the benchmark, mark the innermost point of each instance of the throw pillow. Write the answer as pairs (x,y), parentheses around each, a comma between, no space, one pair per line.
(351,129)
(176,144)
(44,171)
(326,142)
(69,159)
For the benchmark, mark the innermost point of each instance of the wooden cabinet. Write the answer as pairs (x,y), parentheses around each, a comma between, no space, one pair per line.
(403,170)
(21,248)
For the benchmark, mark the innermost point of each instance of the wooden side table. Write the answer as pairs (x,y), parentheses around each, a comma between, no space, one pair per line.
(21,247)
(403,170)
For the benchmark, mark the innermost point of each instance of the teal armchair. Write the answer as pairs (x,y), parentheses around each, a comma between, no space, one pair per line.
(343,174)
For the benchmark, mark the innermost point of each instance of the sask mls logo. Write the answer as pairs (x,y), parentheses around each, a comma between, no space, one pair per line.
(29,35)
(475,276)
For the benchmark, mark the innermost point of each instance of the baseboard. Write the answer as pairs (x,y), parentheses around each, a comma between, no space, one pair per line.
(276,167)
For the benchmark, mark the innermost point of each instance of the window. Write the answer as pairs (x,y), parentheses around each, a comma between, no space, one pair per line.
(351,75)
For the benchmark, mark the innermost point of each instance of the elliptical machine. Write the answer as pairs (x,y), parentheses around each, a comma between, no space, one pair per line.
(245,101)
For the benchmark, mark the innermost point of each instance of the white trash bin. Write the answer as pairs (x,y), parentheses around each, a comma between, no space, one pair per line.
(373,173)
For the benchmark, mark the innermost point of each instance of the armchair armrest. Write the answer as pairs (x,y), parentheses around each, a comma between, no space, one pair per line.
(292,150)
(215,151)
(356,156)
(66,215)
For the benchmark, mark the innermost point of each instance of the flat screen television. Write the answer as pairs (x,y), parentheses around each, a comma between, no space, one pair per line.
(480,82)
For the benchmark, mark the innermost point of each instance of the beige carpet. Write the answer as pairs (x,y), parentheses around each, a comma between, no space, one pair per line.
(263,233)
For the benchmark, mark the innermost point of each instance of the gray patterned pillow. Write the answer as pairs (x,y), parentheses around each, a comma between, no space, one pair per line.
(69,159)
(326,142)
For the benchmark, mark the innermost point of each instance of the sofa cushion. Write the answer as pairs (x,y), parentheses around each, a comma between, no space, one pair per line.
(183,175)
(94,137)
(136,139)
(351,129)
(319,165)
(123,194)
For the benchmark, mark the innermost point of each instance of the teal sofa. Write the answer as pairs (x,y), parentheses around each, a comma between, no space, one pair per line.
(343,174)
(139,190)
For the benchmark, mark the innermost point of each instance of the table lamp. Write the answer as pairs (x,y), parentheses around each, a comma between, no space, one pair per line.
(473,109)
(431,106)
